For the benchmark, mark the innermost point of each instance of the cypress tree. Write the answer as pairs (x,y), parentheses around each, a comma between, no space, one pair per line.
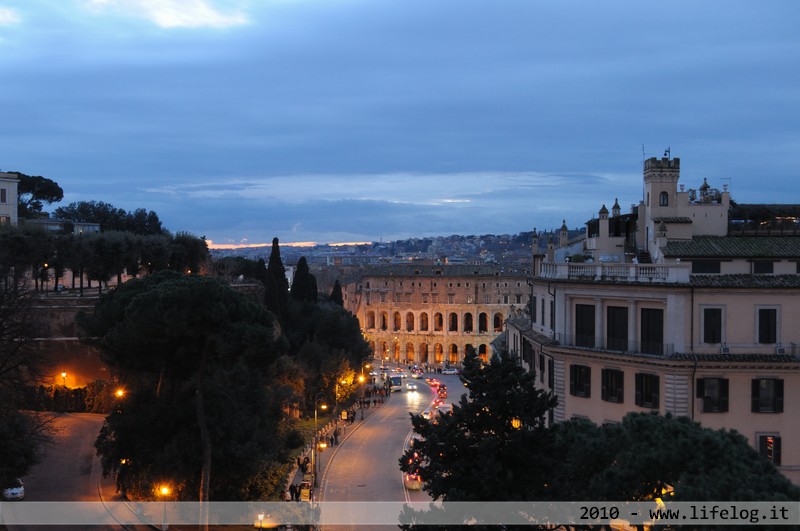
(276,284)
(336,293)
(304,284)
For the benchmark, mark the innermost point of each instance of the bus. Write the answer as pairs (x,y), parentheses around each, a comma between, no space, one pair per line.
(396,383)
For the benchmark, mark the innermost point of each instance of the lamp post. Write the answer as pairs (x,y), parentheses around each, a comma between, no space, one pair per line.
(314,456)
(164,491)
(64,378)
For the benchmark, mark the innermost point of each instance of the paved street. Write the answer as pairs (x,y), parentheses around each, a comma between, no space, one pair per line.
(365,466)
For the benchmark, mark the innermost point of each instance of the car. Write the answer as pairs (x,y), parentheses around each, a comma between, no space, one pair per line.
(433,382)
(442,391)
(416,375)
(14,490)
(411,386)
(450,370)
(412,482)
(427,414)
(437,403)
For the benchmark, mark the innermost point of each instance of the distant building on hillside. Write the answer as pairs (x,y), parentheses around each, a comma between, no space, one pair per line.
(431,314)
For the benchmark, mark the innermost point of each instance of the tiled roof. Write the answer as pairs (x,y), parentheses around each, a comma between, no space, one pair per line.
(675,219)
(735,358)
(734,247)
(746,281)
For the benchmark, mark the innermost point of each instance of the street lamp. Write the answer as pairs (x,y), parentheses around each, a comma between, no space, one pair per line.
(64,378)
(164,491)
(314,457)
(336,396)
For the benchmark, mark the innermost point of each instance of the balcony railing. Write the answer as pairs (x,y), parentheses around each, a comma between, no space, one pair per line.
(649,273)
(615,344)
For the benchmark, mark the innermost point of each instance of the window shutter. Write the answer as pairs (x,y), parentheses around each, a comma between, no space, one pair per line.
(779,396)
(572,379)
(638,398)
(755,403)
(587,387)
(700,388)
(656,390)
(762,445)
(621,388)
(604,374)
(723,398)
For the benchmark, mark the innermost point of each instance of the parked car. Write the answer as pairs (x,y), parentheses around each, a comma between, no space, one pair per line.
(450,370)
(14,490)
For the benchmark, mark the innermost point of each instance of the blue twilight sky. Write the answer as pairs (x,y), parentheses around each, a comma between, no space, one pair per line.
(360,120)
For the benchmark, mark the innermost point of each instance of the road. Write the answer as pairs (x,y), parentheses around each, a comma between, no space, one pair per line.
(365,467)
(70,470)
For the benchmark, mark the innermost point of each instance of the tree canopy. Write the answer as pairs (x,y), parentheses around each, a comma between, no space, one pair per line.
(111,218)
(304,285)
(34,191)
(196,356)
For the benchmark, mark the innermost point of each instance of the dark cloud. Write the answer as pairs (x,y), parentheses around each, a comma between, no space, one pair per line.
(215,128)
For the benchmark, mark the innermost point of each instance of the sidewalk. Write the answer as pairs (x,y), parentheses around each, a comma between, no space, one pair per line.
(296,477)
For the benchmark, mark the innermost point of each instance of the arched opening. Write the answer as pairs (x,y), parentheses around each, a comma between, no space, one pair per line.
(423,353)
(498,322)
(438,353)
(397,321)
(409,353)
(384,321)
(483,323)
(438,322)
(483,353)
(663,199)
(370,320)
(409,322)
(453,358)
(423,322)
(468,324)
(453,320)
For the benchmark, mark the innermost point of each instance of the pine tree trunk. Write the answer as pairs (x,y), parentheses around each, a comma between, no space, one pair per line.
(205,441)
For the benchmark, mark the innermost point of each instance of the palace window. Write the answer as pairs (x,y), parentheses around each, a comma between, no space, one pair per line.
(612,385)
(647,390)
(714,393)
(712,325)
(580,380)
(767,395)
(769,446)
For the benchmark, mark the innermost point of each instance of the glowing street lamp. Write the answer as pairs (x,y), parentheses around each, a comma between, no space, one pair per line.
(314,457)
(64,378)
(164,491)
(119,393)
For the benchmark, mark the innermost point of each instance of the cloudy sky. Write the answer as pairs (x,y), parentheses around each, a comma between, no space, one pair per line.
(361,120)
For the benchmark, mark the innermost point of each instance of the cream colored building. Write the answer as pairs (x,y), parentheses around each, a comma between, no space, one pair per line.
(428,314)
(8,198)
(688,305)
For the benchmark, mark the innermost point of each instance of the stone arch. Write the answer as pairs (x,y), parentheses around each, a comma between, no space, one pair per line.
(423,353)
(370,320)
(409,322)
(410,357)
(468,323)
(498,322)
(423,322)
(384,321)
(452,320)
(483,323)
(438,353)
(453,357)
(397,321)
(483,353)
(438,322)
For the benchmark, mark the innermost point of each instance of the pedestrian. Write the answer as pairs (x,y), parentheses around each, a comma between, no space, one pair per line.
(336,436)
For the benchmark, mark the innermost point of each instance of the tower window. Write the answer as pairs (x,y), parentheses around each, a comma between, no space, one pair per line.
(663,199)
